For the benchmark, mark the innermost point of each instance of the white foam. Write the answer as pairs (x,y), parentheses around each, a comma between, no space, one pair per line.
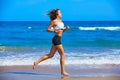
(25,61)
(111,56)
(29,27)
(55,61)
(99,28)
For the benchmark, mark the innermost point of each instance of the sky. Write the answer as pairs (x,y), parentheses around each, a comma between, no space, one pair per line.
(72,10)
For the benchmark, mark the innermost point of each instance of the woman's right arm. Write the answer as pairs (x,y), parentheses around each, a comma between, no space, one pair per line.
(52,24)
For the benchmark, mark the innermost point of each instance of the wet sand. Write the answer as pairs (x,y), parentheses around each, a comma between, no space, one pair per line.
(50,72)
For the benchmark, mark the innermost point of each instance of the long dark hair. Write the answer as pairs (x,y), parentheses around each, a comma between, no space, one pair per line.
(53,14)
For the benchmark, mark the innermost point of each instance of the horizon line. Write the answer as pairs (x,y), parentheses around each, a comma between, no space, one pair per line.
(63,20)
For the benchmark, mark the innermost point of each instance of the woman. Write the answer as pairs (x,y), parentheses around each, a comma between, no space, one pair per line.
(58,29)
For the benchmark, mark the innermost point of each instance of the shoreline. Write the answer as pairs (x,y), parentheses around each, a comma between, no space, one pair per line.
(52,72)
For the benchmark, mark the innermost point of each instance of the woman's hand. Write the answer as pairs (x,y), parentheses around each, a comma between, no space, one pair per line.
(67,27)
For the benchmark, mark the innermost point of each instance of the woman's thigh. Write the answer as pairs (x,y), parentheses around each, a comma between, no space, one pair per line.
(60,49)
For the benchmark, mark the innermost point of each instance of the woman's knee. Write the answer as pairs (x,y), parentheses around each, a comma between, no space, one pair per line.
(50,56)
(62,56)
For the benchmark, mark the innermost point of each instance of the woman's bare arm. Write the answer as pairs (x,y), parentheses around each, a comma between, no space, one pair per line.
(52,24)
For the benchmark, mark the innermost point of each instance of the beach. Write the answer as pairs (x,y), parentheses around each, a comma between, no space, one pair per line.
(92,50)
(50,72)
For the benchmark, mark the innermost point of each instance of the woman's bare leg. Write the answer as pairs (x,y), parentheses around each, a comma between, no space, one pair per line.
(62,60)
(47,56)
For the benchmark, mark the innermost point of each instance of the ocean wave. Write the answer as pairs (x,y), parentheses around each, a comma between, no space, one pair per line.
(80,58)
(99,28)
(3,48)
(55,61)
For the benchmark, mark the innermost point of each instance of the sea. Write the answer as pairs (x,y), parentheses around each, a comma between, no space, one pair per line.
(85,43)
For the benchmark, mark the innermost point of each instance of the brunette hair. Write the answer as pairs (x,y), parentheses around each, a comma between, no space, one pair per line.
(53,14)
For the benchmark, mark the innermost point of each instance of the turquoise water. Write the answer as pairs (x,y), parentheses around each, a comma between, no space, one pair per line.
(86,42)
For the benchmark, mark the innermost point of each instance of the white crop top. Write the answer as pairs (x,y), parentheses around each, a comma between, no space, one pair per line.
(59,26)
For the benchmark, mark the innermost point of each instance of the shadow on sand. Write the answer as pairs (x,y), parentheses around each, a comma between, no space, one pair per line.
(28,73)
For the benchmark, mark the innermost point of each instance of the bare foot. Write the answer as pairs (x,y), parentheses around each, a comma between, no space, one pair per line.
(34,66)
(65,74)
(65,78)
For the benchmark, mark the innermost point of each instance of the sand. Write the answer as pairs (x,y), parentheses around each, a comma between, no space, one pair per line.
(52,72)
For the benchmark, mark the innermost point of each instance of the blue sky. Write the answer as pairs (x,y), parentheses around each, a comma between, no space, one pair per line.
(72,10)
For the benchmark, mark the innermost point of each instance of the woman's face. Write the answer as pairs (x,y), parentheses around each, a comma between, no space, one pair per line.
(59,14)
